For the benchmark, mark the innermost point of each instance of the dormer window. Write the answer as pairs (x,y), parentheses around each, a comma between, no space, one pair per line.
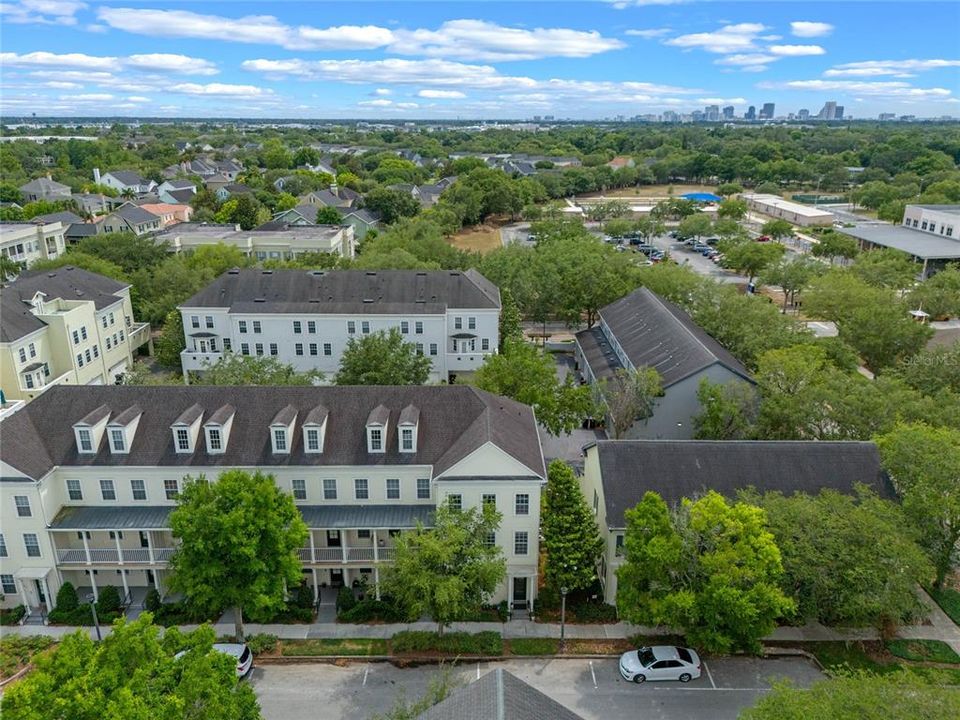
(84,440)
(118,441)
(377,429)
(186,429)
(214,440)
(89,431)
(217,430)
(122,429)
(281,430)
(407,425)
(315,430)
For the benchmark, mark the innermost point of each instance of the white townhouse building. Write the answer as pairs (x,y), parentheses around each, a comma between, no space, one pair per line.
(66,326)
(278,243)
(89,476)
(306,317)
(27,242)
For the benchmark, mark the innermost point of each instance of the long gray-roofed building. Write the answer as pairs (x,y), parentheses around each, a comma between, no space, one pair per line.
(617,474)
(306,318)
(91,474)
(644,330)
(282,242)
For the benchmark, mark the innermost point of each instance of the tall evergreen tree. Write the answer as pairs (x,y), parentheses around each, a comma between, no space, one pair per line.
(570,536)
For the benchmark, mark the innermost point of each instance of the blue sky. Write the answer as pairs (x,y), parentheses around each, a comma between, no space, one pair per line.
(474,59)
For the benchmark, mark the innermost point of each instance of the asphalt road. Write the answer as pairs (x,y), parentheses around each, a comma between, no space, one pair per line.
(592,688)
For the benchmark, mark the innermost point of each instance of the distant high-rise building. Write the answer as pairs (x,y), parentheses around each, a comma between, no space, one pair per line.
(828,111)
(697,116)
(804,114)
(751,113)
(838,115)
(670,116)
(766,112)
(711,113)
(728,112)
(888,116)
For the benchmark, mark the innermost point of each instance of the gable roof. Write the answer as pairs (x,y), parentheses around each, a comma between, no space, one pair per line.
(454,421)
(498,695)
(135,214)
(128,177)
(181,196)
(655,333)
(343,291)
(676,469)
(68,283)
(66,217)
(43,185)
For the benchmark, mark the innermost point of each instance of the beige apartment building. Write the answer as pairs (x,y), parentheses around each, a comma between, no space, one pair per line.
(27,242)
(89,476)
(67,326)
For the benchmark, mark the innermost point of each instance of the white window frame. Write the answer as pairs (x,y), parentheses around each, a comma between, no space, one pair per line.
(312,435)
(357,488)
(279,438)
(215,433)
(22,503)
(330,488)
(26,545)
(299,488)
(134,489)
(74,486)
(105,484)
(420,487)
(181,432)
(167,490)
(85,441)
(392,484)
(375,439)
(118,440)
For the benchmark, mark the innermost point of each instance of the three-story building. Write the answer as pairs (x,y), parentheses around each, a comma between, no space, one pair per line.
(90,475)
(306,318)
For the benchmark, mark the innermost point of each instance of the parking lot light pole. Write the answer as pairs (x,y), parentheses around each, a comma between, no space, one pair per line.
(96,620)
(563,614)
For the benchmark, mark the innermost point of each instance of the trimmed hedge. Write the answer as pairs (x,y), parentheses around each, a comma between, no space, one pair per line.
(534,646)
(346,600)
(456,643)
(12,616)
(369,610)
(261,643)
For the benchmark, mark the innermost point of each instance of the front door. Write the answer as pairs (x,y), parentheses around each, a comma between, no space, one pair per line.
(144,540)
(520,591)
(336,578)
(151,580)
(40,594)
(333,538)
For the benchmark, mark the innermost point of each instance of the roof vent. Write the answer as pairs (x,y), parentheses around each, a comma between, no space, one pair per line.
(371,273)
(454,274)
(314,300)
(259,299)
(421,274)
(367,300)
(316,273)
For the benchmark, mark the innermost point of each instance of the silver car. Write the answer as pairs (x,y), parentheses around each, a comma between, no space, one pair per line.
(238,651)
(660,662)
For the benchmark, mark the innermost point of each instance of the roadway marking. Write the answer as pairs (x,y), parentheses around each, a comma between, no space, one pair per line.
(365,673)
(709,674)
(594,675)
(478,671)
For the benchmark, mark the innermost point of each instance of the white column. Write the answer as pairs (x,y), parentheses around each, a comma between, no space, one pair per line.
(316,587)
(376,554)
(93,584)
(376,581)
(150,549)
(23,594)
(86,545)
(123,578)
(116,539)
(46,593)
(313,555)
(159,585)
(343,546)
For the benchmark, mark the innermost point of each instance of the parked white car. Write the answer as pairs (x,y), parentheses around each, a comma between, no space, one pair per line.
(660,662)
(238,651)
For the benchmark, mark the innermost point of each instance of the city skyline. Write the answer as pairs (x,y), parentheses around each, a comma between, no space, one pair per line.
(594,60)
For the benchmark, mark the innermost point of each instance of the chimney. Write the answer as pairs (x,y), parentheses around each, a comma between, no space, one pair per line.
(96,175)
(334,189)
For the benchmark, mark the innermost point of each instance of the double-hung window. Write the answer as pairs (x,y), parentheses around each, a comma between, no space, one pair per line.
(361,489)
(423,488)
(393,488)
(31,544)
(107,490)
(329,489)
(521,542)
(139,489)
(522,504)
(23,506)
(74,491)
(171,489)
(455,502)
(297,327)
(299,489)
(257,329)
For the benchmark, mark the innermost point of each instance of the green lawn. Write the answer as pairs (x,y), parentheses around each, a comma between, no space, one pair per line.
(949,601)
(534,646)
(842,657)
(923,651)
(334,646)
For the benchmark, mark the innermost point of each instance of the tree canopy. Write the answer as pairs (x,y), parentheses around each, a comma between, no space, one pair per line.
(382,358)
(233,369)
(571,539)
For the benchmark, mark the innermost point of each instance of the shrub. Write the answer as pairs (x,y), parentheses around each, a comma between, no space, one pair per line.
(109,601)
(181,613)
(345,599)
(13,615)
(152,601)
(457,643)
(67,597)
(923,651)
(595,612)
(949,601)
(384,610)
(304,596)
(534,646)
(261,643)
(289,613)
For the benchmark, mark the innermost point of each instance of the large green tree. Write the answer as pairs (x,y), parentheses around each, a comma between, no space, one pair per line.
(839,553)
(571,539)
(791,276)
(239,538)
(522,372)
(924,463)
(833,245)
(628,397)
(234,369)
(728,411)
(392,204)
(132,674)
(752,258)
(382,358)
(449,569)
(709,568)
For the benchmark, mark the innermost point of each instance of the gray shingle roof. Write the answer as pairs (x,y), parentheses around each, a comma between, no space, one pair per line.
(68,283)
(454,421)
(43,185)
(129,177)
(181,196)
(676,469)
(498,695)
(656,333)
(134,214)
(347,291)
(66,217)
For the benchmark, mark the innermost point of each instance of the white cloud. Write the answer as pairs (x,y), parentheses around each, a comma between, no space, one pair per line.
(796,50)
(649,33)
(746,59)
(138,99)
(896,68)
(407,105)
(624,4)
(463,39)
(806,29)
(155,62)
(61,85)
(376,103)
(88,97)
(722,101)
(441,94)
(383,91)
(41,12)
(728,39)
(892,89)
(487,41)
(221,89)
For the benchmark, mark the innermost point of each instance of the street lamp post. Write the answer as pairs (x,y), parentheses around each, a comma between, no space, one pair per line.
(93,609)
(563,614)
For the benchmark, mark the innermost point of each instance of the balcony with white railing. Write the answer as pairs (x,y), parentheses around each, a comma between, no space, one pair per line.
(139,334)
(112,556)
(345,555)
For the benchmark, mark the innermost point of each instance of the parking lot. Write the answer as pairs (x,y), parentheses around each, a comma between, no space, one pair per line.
(592,688)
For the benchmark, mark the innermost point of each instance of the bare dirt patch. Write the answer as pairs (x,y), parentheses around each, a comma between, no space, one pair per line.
(480,238)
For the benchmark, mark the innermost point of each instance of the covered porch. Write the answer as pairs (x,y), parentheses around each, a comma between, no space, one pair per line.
(33,588)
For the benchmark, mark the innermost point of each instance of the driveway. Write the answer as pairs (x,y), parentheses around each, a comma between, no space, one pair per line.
(591,688)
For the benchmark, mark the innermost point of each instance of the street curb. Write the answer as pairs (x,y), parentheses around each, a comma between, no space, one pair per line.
(793,652)
(412,659)
(23,671)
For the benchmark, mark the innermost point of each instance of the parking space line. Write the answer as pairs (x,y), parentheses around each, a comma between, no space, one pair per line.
(366,672)
(592,673)
(478,671)
(709,674)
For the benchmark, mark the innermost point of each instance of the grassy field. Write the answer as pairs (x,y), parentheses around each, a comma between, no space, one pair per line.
(334,646)
(651,191)
(924,651)
(481,238)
